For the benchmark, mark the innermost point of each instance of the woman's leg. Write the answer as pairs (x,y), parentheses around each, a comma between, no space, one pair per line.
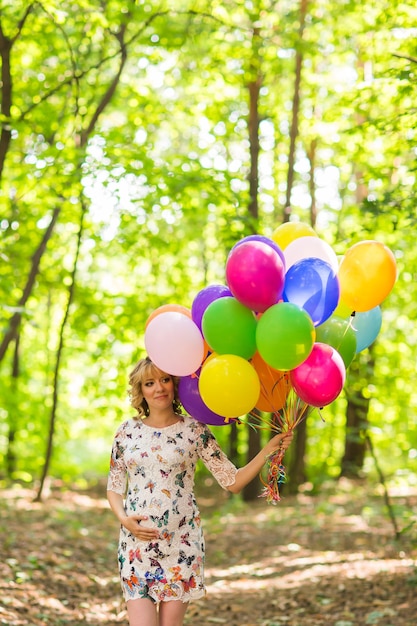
(172,612)
(142,612)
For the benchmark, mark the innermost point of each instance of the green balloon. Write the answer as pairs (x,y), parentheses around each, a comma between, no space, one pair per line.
(338,333)
(285,336)
(229,327)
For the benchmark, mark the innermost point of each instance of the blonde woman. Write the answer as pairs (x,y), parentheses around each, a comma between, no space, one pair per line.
(151,492)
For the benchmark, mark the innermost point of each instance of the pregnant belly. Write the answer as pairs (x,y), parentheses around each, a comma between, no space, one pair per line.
(169,520)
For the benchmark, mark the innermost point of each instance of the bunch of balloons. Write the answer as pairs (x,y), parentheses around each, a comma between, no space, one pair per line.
(290,316)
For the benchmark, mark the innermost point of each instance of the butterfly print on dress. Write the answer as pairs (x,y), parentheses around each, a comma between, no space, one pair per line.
(179,478)
(135,555)
(162,520)
(183,558)
(154,547)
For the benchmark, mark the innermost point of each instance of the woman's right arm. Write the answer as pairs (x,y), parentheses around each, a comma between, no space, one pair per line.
(117,506)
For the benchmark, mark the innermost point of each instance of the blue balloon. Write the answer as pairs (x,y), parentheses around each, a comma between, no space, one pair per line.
(366,326)
(313,285)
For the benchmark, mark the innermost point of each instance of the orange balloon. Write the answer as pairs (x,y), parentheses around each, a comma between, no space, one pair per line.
(366,275)
(176,308)
(275,385)
(207,350)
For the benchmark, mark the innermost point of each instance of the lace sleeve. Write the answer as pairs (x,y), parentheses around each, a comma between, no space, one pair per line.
(215,459)
(117,478)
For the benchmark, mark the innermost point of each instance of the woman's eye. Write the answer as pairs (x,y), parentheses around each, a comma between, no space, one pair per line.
(149,384)
(167,379)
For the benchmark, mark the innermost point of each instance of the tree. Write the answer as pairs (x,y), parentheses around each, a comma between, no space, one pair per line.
(181,131)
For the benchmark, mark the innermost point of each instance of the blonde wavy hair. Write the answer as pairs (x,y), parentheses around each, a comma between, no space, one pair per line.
(143,370)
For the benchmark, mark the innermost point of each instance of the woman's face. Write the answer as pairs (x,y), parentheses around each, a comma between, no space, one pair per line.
(158,390)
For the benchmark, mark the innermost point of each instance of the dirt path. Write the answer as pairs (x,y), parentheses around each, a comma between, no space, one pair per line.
(309,561)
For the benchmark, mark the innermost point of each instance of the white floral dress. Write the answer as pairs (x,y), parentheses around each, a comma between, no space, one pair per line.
(154,469)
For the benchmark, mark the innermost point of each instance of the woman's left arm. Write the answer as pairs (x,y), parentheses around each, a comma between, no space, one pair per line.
(245,474)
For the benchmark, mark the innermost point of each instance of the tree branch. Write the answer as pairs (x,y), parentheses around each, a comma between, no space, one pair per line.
(14,323)
(52,417)
(404,56)
(6,45)
(384,485)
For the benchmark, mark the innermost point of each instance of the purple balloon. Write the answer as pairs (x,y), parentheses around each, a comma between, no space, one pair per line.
(192,402)
(267,240)
(205,297)
(312,284)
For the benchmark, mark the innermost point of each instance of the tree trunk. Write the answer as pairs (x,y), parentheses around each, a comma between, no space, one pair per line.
(295,113)
(254,89)
(6,45)
(52,418)
(233,444)
(311,184)
(6,81)
(81,141)
(297,464)
(296,468)
(357,412)
(14,323)
(12,426)
(252,490)
(355,442)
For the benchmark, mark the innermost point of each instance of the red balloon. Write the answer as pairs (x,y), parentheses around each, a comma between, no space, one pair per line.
(320,378)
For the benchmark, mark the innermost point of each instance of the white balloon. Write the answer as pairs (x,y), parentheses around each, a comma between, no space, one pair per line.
(306,247)
(174,343)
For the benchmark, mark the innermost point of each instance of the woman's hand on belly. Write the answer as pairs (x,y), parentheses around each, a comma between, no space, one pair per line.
(136,526)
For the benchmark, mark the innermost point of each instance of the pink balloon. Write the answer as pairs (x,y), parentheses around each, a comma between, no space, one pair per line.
(174,343)
(320,378)
(255,274)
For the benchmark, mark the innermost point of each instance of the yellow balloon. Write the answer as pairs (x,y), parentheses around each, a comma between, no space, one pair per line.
(229,385)
(209,357)
(366,275)
(286,233)
(342,310)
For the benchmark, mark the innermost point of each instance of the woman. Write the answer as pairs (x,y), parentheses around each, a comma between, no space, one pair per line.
(154,456)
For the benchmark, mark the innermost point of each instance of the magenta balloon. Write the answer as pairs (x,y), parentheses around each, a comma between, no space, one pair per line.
(192,402)
(263,239)
(320,378)
(255,275)
(205,297)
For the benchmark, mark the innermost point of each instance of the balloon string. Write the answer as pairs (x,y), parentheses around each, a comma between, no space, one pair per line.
(275,478)
(287,419)
(262,423)
(348,327)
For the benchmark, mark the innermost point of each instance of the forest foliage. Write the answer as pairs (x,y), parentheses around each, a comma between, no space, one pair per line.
(128,132)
